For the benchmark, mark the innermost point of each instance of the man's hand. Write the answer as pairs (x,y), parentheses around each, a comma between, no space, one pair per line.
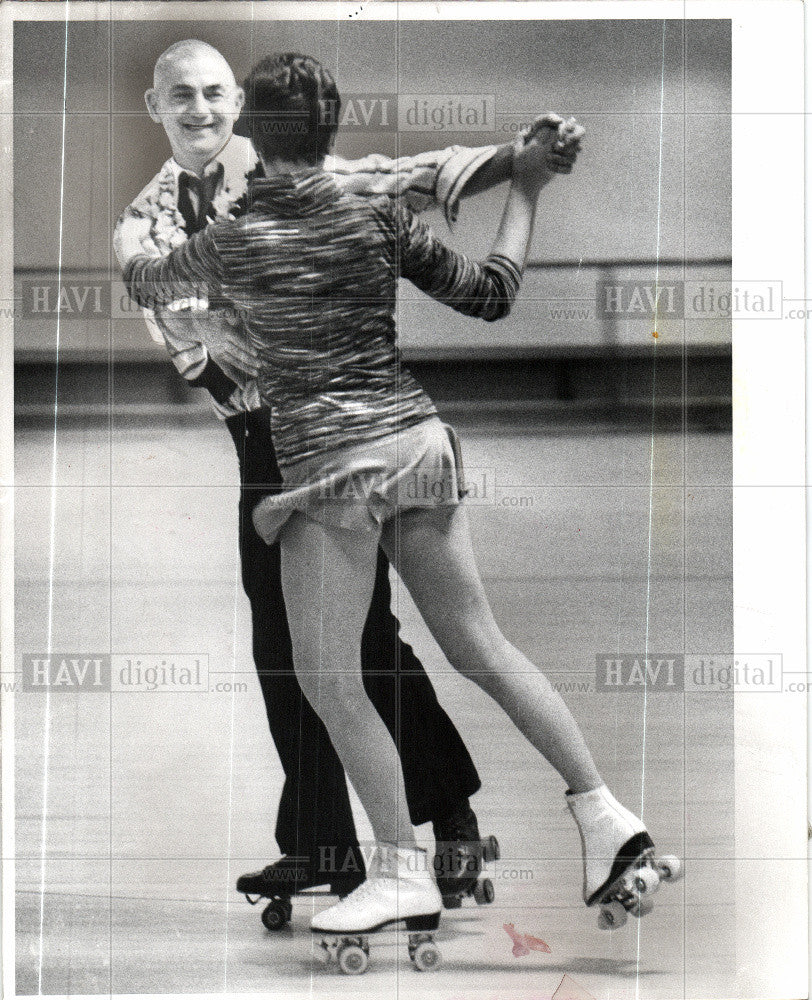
(499,167)
(531,158)
(220,330)
(132,237)
(562,154)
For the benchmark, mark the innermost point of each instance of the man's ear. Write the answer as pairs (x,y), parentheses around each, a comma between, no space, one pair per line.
(151,101)
(239,99)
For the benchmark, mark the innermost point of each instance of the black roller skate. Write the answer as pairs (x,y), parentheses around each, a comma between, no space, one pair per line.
(460,852)
(286,878)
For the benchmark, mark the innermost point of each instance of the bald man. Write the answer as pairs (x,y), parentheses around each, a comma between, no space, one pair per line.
(197,101)
(196,98)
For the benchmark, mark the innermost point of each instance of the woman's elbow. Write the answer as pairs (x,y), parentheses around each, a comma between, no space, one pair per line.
(498,309)
(503,292)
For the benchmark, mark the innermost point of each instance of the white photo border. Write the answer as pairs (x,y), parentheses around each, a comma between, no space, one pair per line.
(769,391)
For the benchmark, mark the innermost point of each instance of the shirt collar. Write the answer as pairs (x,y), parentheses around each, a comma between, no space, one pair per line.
(213,165)
(237,157)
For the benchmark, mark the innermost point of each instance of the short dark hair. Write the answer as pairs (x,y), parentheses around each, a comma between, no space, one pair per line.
(292,106)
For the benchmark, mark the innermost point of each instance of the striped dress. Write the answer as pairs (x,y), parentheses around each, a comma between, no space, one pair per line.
(313,272)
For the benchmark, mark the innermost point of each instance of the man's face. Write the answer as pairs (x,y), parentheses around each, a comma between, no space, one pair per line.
(197,102)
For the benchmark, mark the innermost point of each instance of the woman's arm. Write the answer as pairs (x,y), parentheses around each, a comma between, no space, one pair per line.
(485,289)
(192,271)
(533,168)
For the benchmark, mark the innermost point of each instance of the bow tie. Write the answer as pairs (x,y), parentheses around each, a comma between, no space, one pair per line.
(204,189)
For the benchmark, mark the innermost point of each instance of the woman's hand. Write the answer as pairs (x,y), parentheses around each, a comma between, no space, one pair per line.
(221,331)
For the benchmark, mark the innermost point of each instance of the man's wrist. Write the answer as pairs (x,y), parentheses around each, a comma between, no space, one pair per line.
(502,161)
(496,169)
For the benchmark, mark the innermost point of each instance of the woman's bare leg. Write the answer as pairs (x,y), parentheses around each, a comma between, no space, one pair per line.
(431,549)
(327,579)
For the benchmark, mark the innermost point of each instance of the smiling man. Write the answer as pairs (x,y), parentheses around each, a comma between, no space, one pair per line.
(195,97)
(197,101)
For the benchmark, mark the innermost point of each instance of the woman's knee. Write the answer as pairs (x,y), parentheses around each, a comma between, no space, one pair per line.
(326,684)
(475,647)
(307,674)
(337,698)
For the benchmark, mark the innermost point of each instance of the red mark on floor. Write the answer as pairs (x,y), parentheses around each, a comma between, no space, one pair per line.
(523,944)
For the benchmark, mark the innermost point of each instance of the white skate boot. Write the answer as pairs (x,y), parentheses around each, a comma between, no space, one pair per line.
(399,888)
(620,868)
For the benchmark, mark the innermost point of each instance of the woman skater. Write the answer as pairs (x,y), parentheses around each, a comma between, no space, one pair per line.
(314,272)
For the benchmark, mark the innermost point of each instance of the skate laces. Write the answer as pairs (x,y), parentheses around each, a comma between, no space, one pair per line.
(284,864)
(366,889)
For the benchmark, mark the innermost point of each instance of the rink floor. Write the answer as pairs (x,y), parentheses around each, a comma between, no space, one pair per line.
(149,804)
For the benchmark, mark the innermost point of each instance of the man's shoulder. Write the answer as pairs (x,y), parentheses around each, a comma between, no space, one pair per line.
(163,183)
(239,159)
(156,208)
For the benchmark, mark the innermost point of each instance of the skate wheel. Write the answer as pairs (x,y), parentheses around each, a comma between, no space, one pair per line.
(670,868)
(452,902)
(490,849)
(612,916)
(426,957)
(352,960)
(641,907)
(483,892)
(645,880)
(276,914)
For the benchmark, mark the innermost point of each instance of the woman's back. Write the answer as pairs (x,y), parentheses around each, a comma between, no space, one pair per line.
(313,272)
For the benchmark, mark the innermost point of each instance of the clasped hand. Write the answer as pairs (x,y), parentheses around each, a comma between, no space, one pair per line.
(549,146)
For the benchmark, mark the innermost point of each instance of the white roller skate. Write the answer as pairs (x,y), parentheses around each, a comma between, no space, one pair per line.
(399,888)
(621,871)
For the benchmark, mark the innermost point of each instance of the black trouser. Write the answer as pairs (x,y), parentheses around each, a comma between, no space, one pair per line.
(314,811)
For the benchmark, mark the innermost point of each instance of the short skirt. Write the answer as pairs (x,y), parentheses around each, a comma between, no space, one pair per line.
(362,486)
